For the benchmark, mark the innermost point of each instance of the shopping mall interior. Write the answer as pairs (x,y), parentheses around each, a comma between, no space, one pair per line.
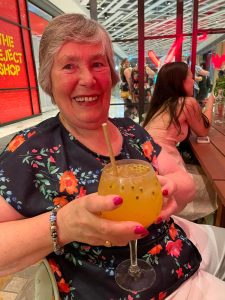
(147,32)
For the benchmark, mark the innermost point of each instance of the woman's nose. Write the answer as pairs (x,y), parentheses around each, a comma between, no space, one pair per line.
(86,77)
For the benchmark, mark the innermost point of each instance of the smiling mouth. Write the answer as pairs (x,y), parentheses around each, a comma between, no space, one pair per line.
(86,99)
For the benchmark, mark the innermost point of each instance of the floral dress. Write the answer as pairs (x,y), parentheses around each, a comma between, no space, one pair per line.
(44,166)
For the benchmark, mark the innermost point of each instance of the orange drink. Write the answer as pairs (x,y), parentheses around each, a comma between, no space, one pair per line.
(138,185)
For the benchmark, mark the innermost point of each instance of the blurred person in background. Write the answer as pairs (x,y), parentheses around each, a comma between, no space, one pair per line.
(126,89)
(173,112)
(200,74)
(204,85)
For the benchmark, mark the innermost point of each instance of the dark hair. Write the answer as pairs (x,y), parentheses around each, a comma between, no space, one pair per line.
(123,61)
(221,73)
(203,65)
(168,89)
(122,68)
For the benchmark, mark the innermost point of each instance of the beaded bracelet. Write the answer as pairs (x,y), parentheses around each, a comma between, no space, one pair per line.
(53,229)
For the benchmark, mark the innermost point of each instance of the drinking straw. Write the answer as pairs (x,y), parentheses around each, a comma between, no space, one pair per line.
(111,154)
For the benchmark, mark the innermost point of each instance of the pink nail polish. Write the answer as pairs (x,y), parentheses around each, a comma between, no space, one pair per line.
(165,192)
(140,230)
(117,200)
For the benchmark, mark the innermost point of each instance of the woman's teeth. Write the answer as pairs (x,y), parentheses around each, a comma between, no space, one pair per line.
(86,99)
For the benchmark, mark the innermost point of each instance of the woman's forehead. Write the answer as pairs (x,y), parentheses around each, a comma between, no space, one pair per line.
(74,48)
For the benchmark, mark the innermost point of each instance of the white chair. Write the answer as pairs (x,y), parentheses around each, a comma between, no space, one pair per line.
(45,283)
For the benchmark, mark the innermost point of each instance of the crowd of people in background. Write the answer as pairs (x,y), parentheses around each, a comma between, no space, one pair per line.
(129,86)
(202,83)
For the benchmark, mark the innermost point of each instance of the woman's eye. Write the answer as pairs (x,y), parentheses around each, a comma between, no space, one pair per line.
(98,64)
(68,67)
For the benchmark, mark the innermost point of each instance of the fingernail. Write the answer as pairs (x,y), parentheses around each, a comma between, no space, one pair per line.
(165,192)
(117,200)
(140,230)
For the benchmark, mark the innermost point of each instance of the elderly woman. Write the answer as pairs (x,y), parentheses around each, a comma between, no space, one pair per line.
(58,164)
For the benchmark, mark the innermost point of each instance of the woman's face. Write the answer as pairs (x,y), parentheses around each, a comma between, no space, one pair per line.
(81,84)
(189,84)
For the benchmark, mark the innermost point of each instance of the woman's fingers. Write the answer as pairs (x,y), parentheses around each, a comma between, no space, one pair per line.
(80,220)
(96,203)
(169,203)
(169,207)
(168,186)
(118,233)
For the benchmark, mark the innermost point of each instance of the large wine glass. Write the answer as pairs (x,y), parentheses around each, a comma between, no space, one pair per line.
(138,185)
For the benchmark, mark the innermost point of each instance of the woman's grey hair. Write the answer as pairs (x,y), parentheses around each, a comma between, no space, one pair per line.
(71,27)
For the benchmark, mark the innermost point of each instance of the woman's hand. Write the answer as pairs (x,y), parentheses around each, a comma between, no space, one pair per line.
(170,205)
(80,221)
(210,99)
(178,183)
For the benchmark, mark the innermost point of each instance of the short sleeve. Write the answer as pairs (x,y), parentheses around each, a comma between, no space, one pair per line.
(20,163)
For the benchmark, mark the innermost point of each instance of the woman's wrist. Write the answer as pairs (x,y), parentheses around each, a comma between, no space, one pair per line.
(210,103)
(64,237)
(54,231)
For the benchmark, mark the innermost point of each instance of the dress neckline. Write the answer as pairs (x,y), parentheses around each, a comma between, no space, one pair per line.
(75,140)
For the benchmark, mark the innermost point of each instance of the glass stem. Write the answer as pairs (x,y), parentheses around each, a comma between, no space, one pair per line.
(134,269)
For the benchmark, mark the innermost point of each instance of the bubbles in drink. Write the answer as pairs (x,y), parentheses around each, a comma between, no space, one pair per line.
(127,170)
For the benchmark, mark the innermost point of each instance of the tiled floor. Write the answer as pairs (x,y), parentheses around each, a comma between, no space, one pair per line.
(19,286)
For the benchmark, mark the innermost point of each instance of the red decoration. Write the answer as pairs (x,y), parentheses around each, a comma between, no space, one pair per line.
(154,58)
(218,60)
(202,37)
(37,23)
(173,50)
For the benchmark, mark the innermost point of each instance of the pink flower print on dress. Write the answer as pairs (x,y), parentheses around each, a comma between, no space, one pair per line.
(174,248)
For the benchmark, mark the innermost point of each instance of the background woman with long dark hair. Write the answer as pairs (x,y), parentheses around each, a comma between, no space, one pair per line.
(173,112)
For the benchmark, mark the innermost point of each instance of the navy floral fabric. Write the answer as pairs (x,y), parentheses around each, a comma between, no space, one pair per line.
(45,165)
